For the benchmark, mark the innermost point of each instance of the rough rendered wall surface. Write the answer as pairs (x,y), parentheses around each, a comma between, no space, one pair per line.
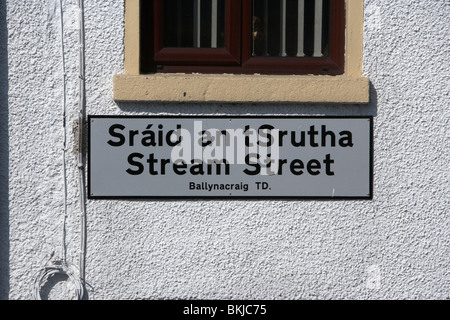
(395,246)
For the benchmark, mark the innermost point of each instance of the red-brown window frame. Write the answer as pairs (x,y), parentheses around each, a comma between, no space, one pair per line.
(236,56)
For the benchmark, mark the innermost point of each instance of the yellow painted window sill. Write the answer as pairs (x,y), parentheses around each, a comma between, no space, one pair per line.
(241,88)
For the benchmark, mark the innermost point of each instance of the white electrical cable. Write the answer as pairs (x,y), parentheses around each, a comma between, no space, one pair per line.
(64,251)
(57,268)
(62,267)
(81,114)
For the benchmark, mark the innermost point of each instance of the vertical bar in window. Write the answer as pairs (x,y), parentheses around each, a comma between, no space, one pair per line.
(318,28)
(214,24)
(300,28)
(197,24)
(283,28)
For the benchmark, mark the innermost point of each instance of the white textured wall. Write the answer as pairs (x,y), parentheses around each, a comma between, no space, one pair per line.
(228,249)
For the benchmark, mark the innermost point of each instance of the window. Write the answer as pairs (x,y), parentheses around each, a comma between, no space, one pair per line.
(243,36)
(239,64)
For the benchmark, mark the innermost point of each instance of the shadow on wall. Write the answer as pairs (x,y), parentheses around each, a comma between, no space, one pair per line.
(4,156)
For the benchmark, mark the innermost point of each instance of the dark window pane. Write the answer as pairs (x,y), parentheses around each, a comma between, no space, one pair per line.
(194,23)
(290,28)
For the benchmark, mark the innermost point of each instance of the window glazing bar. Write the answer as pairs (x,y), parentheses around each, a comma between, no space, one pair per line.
(214,18)
(318,11)
(197,24)
(300,28)
(283,28)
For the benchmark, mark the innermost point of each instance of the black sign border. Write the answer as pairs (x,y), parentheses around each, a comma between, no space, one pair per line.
(232,197)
